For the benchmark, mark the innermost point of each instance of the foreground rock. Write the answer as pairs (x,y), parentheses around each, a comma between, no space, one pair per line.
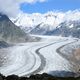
(43,76)
(11,33)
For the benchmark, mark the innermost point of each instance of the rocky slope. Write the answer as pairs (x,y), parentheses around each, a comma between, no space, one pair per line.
(67,28)
(3,44)
(45,21)
(9,31)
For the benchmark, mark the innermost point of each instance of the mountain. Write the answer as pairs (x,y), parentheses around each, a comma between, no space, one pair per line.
(28,22)
(40,29)
(3,44)
(70,28)
(51,23)
(66,29)
(9,32)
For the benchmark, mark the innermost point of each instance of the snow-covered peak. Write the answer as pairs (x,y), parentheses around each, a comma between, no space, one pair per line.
(23,20)
(49,20)
(72,15)
(30,20)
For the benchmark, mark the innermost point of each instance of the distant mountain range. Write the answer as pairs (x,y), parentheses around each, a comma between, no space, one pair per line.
(30,21)
(51,23)
(66,29)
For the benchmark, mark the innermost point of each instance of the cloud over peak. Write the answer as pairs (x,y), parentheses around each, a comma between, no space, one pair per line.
(12,7)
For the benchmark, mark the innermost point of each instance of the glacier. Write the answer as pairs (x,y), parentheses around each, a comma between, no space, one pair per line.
(25,59)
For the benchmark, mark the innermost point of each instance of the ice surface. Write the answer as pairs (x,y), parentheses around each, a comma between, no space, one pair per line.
(26,58)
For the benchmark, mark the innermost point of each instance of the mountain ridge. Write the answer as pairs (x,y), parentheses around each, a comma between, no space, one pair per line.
(50,23)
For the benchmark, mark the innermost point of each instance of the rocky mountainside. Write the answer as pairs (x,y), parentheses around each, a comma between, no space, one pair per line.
(43,76)
(3,44)
(9,31)
(67,28)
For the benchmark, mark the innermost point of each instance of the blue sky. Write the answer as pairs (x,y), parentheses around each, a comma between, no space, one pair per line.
(50,5)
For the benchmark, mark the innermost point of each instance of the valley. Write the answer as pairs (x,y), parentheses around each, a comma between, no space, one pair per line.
(24,59)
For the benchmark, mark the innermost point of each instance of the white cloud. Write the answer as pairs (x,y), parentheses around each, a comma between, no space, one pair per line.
(12,7)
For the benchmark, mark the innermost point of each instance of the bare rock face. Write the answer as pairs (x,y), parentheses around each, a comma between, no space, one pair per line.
(3,44)
(9,32)
(43,76)
(77,54)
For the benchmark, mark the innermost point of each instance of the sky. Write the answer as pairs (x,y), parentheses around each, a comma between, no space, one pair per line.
(50,5)
(12,8)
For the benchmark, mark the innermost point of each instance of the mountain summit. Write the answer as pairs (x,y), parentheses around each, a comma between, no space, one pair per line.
(51,23)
